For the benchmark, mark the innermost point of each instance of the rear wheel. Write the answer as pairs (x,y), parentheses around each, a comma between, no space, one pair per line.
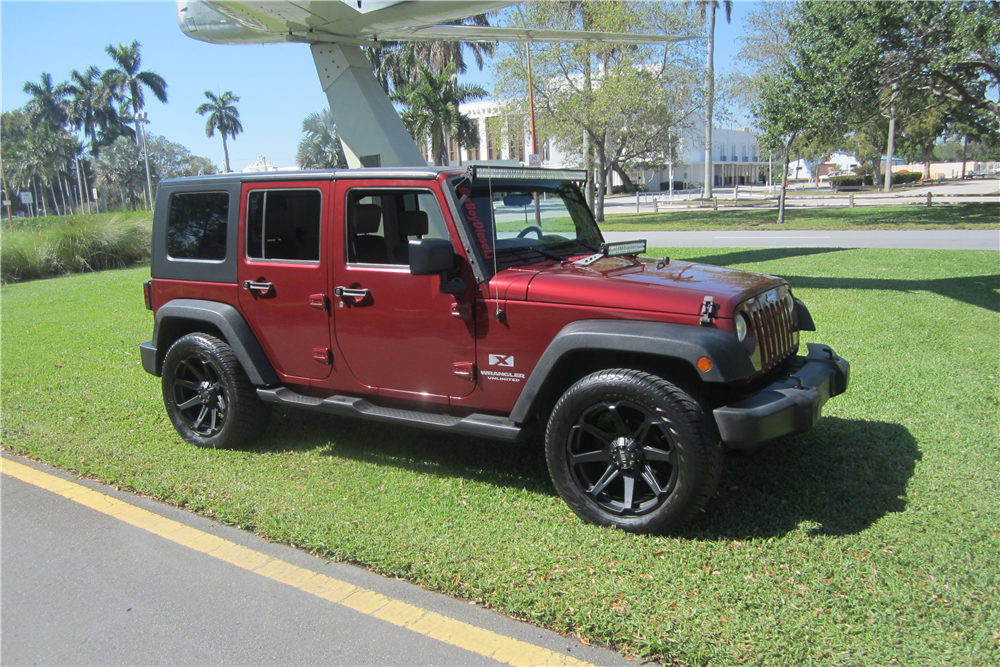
(208,396)
(634,451)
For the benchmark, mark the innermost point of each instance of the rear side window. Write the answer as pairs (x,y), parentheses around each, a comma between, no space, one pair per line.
(196,225)
(284,225)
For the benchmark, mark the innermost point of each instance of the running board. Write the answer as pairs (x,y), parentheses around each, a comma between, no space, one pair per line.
(486,426)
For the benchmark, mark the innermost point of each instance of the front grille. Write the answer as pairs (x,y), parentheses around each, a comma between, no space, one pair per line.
(772,326)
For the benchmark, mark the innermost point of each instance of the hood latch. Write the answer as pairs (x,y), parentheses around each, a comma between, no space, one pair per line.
(709,308)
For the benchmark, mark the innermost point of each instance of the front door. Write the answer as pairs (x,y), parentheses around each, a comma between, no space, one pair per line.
(283,274)
(397,331)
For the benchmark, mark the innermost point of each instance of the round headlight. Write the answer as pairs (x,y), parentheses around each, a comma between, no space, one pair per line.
(741,327)
(790,302)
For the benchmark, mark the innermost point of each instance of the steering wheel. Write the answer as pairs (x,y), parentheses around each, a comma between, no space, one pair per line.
(527,230)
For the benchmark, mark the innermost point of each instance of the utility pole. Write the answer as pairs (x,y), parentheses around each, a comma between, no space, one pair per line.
(534,140)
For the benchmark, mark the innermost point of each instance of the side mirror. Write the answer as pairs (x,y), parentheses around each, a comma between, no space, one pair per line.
(430,256)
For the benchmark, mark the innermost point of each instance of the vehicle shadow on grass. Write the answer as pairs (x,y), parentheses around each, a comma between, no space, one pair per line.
(516,465)
(837,479)
(761,255)
(980,291)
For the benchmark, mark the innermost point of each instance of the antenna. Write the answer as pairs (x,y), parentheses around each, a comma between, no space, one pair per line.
(498,313)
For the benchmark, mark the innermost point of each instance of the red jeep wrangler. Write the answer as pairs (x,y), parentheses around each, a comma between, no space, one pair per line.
(481,301)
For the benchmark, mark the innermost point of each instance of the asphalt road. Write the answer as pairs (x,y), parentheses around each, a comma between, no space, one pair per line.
(959,239)
(80,587)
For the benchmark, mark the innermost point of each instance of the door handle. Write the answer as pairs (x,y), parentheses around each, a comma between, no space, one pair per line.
(356,295)
(252,286)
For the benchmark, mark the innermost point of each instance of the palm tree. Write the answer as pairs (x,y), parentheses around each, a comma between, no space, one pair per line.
(223,117)
(432,109)
(48,102)
(127,81)
(397,64)
(709,7)
(320,148)
(91,109)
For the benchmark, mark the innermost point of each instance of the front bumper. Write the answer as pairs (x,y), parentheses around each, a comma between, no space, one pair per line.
(791,404)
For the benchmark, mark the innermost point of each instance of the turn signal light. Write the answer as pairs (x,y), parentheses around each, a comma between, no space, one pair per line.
(704,364)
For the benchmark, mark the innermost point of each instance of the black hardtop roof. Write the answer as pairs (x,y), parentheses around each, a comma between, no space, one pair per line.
(429,173)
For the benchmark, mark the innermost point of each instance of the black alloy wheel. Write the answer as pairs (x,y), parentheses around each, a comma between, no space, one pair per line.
(621,455)
(208,396)
(200,394)
(631,450)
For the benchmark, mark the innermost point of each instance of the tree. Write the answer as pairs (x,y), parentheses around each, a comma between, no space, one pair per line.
(321,147)
(910,59)
(168,159)
(709,7)
(223,116)
(397,64)
(608,104)
(92,109)
(121,172)
(48,103)
(765,47)
(128,82)
(36,157)
(432,110)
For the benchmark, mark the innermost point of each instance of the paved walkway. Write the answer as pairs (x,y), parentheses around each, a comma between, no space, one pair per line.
(94,576)
(988,239)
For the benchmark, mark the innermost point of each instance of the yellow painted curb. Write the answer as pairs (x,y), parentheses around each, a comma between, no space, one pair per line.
(402,614)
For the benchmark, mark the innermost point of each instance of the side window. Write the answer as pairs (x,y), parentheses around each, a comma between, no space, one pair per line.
(381,223)
(283,225)
(196,225)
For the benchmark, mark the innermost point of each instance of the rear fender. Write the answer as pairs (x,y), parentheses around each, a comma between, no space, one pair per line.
(180,314)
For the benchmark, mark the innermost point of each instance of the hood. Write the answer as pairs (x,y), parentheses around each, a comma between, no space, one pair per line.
(646,284)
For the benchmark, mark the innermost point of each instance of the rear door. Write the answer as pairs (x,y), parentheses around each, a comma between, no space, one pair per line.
(283,265)
(397,331)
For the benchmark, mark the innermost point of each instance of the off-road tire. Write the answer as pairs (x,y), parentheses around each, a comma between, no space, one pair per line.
(208,396)
(621,429)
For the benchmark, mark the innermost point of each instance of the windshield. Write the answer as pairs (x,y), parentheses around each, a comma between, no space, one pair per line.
(534,220)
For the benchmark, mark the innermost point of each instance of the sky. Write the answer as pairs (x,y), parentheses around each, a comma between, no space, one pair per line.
(277,83)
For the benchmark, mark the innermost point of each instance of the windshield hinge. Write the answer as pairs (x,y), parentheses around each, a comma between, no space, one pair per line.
(708,310)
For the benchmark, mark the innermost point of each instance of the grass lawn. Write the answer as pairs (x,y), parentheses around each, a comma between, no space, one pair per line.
(871,540)
(951,216)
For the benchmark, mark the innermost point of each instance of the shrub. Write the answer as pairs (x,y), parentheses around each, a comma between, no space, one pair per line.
(74,244)
(849,181)
(901,177)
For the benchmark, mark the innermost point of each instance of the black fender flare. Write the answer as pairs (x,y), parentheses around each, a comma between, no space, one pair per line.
(226,319)
(685,343)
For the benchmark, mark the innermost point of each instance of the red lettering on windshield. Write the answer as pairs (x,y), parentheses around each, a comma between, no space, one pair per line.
(472,215)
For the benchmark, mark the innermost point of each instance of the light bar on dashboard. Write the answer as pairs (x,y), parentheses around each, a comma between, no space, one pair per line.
(624,248)
(527,173)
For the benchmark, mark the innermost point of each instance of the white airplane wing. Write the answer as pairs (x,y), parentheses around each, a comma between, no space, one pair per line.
(367,22)
(489,34)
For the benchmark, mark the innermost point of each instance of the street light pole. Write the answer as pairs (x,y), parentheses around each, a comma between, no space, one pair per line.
(141,118)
